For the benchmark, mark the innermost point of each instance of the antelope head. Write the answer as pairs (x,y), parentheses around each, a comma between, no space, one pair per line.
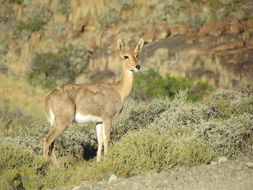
(129,58)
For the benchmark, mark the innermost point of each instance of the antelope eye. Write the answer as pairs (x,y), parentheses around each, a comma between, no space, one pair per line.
(126,57)
(137,56)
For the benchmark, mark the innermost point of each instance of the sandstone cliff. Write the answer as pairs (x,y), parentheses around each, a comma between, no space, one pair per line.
(188,38)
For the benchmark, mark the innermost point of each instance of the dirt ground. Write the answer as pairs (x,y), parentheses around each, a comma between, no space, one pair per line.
(226,175)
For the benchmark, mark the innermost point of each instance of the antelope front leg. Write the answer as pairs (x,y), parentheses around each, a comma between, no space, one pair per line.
(99,129)
(106,135)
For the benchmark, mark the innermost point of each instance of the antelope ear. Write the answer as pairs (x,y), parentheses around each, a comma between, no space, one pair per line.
(139,46)
(121,48)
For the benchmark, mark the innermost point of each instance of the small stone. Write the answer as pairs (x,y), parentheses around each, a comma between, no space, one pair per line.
(112,178)
(222,159)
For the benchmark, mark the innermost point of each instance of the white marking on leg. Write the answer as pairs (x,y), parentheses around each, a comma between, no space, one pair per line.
(99,129)
(105,140)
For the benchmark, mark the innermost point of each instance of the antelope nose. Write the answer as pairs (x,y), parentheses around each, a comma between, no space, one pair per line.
(138,67)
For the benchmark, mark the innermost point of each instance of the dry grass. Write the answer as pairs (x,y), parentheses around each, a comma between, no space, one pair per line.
(15,92)
(146,138)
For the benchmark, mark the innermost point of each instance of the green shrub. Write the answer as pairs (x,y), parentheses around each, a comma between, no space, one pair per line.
(52,69)
(28,131)
(112,14)
(136,116)
(110,17)
(16,1)
(20,168)
(219,114)
(15,156)
(32,25)
(137,153)
(37,15)
(180,114)
(146,137)
(37,10)
(79,140)
(227,137)
(199,90)
(166,10)
(64,6)
(155,150)
(226,104)
(151,84)
(123,4)
(196,12)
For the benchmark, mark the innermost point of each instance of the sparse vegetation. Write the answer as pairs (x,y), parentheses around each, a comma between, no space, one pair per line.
(156,150)
(146,138)
(37,15)
(151,84)
(110,17)
(168,121)
(64,6)
(188,12)
(61,67)
(16,1)
(31,25)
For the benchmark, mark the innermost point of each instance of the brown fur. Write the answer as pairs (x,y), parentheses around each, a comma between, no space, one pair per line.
(97,99)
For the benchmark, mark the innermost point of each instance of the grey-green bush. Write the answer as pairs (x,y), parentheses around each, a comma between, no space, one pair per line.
(61,67)
(136,116)
(147,137)
(227,137)
(37,15)
(15,156)
(156,150)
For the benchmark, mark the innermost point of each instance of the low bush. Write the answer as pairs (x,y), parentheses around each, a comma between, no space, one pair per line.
(37,15)
(228,138)
(136,153)
(226,104)
(15,156)
(110,17)
(32,25)
(79,140)
(180,114)
(52,69)
(189,12)
(151,84)
(208,116)
(16,1)
(156,150)
(64,6)
(20,168)
(138,115)
(146,137)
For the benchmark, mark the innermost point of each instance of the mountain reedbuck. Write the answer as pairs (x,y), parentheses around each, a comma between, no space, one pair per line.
(95,102)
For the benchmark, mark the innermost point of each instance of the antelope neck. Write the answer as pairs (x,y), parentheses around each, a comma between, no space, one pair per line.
(124,86)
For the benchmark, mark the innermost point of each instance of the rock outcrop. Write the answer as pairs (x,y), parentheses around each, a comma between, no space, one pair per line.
(220,53)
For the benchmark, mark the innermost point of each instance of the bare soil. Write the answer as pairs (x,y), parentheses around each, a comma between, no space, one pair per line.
(227,175)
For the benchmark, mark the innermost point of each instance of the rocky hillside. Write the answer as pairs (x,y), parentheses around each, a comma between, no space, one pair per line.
(209,39)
